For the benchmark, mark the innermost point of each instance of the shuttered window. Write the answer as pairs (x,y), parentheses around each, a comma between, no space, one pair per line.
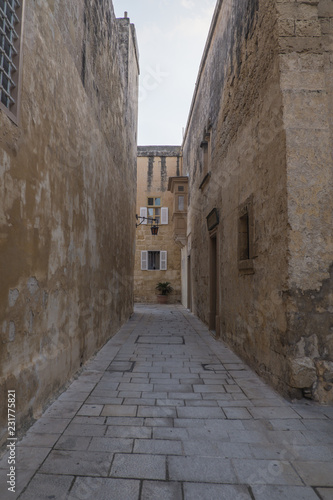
(154,260)
(164,215)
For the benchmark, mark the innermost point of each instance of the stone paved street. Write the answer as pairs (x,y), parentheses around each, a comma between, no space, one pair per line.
(164,412)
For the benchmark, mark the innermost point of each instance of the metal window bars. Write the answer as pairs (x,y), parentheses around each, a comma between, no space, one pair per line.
(9,22)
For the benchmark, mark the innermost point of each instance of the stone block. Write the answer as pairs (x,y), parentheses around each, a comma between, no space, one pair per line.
(139,466)
(302,372)
(101,488)
(48,486)
(152,490)
(308,28)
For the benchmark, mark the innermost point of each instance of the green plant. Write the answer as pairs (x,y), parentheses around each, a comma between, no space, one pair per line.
(164,287)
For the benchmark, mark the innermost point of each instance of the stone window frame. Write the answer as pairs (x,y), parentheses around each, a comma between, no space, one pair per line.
(246,237)
(14,43)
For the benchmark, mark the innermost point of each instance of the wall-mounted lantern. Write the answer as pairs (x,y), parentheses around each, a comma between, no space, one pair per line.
(154,224)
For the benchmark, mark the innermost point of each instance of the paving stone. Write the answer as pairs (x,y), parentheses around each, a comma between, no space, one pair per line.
(159,422)
(47,425)
(158,446)
(139,466)
(200,412)
(88,420)
(265,472)
(325,493)
(105,489)
(85,430)
(77,463)
(211,388)
(212,447)
(264,492)
(22,479)
(135,421)
(119,411)
(236,413)
(286,424)
(170,433)
(129,431)
(273,412)
(113,445)
(97,400)
(155,490)
(39,440)
(197,491)
(73,443)
(205,469)
(62,409)
(90,410)
(30,458)
(315,473)
(156,411)
(45,486)
(201,402)
(140,401)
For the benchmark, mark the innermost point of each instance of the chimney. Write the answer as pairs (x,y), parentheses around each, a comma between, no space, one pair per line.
(125,15)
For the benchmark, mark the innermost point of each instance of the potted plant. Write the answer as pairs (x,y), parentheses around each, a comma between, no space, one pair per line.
(165,288)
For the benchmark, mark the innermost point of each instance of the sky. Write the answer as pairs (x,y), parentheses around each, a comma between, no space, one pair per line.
(171,38)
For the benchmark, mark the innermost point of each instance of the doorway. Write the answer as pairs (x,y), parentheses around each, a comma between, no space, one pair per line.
(213,285)
(189,284)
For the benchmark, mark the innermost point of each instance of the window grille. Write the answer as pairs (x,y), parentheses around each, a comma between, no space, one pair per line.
(9,43)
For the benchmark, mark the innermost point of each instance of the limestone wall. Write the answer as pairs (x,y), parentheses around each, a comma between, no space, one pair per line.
(155,165)
(67,203)
(306,46)
(263,104)
(239,102)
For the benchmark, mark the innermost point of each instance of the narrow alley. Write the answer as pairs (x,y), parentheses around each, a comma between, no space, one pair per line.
(166,412)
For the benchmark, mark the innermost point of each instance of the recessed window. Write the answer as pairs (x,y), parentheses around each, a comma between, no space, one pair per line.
(180,188)
(246,252)
(154,209)
(244,237)
(10,34)
(153,261)
(181,203)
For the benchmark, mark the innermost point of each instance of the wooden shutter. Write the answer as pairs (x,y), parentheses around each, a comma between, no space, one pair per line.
(163,261)
(144,260)
(143,213)
(164,215)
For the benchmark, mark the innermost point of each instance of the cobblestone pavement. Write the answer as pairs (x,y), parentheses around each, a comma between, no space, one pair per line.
(164,412)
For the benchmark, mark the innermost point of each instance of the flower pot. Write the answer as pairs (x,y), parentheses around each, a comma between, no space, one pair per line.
(162,299)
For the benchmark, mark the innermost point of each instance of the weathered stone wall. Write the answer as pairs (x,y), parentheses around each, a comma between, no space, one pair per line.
(67,198)
(155,165)
(306,46)
(264,97)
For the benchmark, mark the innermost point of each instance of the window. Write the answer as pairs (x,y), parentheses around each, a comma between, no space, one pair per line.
(246,252)
(180,188)
(244,237)
(181,203)
(153,260)
(10,32)
(154,209)
(205,146)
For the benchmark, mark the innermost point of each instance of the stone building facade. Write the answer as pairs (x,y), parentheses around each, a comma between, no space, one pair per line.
(67,170)
(157,258)
(258,153)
